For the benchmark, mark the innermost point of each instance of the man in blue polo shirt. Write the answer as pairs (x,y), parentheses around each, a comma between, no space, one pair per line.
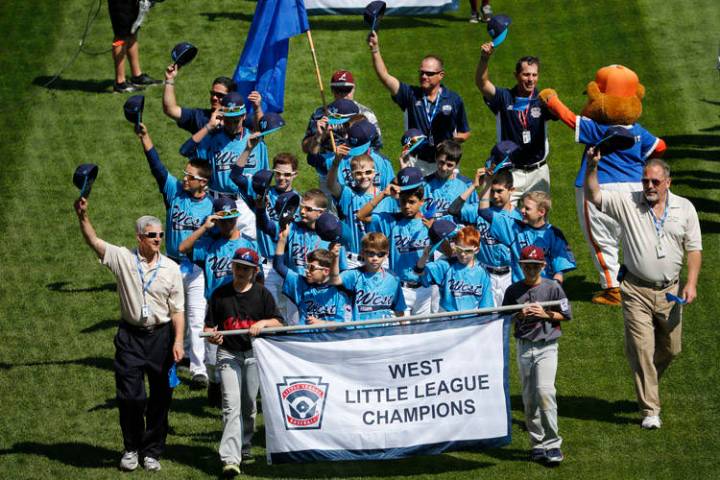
(521,118)
(430,107)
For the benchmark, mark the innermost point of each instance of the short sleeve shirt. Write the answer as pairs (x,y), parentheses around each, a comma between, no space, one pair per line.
(214,255)
(441,193)
(537,329)
(193,119)
(325,302)
(375,294)
(185,214)
(461,287)
(350,202)
(408,238)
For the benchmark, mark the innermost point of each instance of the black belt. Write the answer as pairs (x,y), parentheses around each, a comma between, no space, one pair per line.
(146,329)
(410,284)
(530,168)
(497,270)
(654,285)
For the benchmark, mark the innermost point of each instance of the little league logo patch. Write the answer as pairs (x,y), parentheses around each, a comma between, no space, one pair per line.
(303,402)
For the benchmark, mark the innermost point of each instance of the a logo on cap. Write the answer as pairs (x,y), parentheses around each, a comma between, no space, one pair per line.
(302,400)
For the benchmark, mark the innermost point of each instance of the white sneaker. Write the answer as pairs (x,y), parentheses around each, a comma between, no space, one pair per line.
(129,461)
(474,18)
(151,464)
(651,422)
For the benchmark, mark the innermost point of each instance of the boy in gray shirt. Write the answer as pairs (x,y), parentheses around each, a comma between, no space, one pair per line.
(537,330)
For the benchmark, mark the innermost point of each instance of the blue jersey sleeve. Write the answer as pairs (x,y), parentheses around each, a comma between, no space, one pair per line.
(200,250)
(192,119)
(157,168)
(349,279)
(404,96)
(399,304)
(461,122)
(487,299)
(588,132)
(293,287)
(382,222)
(563,259)
(435,273)
(648,142)
(502,227)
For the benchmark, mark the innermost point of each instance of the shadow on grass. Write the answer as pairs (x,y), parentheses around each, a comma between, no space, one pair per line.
(195,406)
(577,288)
(103,363)
(63,288)
(698,146)
(708,226)
(64,84)
(705,204)
(102,325)
(318,23)
(76,454)
(588,408)
(702,174)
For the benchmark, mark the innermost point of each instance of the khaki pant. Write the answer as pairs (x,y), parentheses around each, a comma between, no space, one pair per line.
(653,328)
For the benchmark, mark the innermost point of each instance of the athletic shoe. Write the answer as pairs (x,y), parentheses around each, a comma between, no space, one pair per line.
(609,296)
(144,80)
(487,13)
(651,422)
(537,454)
(124,87)
(214,395)
(129,461)
(151,464)
(247,456)
(554,456)
(231,470)
(474,17)
(199,381)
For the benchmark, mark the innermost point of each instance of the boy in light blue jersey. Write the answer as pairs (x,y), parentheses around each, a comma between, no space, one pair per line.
(375,291)
(463,286)
(221,143)
(351,199)
(317,301)
(187,206)
(407,234)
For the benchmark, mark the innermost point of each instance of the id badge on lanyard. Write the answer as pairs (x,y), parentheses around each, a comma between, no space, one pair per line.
(145,311)
(659,224)
(523,118)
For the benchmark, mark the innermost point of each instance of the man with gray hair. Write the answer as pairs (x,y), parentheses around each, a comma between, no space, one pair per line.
(658,228)
(151,298)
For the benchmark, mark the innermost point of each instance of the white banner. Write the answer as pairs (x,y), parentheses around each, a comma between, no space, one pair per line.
(394,7)
(388,392)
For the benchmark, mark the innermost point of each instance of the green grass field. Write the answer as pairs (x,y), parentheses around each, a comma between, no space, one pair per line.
(58,307)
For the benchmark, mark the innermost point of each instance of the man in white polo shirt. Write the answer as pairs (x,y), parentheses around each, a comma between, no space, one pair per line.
(658,227)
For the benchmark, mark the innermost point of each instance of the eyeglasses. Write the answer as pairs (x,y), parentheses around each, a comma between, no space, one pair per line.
(654,181)
(187,174)
(220,95)
(428,74)
(153,234)
(312,267)
(466,250)
(278,173)
(374,254)
(363,172)
(304,206)
(227,213)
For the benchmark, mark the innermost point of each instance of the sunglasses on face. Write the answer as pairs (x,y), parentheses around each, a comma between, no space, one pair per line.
(215,94)
(427,73)
(309,208)
(187,174)
(654,181)
(284,174)
(363,172)
(466,250)
(312,267)
(375,254)
(226,213)
(154,234)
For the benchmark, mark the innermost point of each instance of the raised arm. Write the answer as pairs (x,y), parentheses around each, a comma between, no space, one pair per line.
(97,244)
(591,184)
(482,78)
(189,148)
(335,269)
(365,213)
(256,99)
(187,245)
(279,258)
(332,177)
(170,105)
(158,170)
(390,82)
(553,103)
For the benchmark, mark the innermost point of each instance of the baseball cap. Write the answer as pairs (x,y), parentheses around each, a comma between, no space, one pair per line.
(246,256)
(133,109)
(84,177)
(616,138)
(440,231)
(328,227)
(501,156)
(225,207)
(409,178)
(360,134)
(286,205)
(412,139)
(270,122)
(341,110)
(342,78)
(261,181)
(498,28)
(532,254)
(183,53)
(233,105)
(374,11)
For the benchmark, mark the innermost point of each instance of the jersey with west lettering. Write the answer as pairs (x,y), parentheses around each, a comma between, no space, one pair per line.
(301,241)
(326,146)
(408,238)
(517,235)
(221,151)
(621,166)
(492,253)
(185,214)
(374,294)
(214,255)
(441,193)
(384,173)
(348,205)
(461,287)
(325,302)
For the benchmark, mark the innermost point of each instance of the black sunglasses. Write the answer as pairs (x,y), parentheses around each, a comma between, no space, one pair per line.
(217,94)
(427,73)
(654,181)
(154,234)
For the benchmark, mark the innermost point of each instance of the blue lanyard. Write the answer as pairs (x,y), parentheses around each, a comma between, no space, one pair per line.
(659,223)
(146,286)
(431,114)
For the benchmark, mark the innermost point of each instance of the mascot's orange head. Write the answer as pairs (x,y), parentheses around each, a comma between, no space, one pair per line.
(615,97)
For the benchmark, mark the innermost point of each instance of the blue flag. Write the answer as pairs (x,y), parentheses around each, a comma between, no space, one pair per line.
(264,58)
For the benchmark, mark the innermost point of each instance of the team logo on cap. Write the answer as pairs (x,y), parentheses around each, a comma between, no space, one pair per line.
(303,402)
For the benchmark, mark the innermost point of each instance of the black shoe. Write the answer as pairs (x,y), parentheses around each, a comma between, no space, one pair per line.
(124,87)
(554,456)
(247,456)
(144,80)
(214,395)
(537,455)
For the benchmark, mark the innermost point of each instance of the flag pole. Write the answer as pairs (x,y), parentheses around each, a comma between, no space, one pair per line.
(320,84)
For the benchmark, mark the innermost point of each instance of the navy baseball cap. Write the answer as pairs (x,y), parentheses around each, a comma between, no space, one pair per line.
(360,135)
(84,177)
(498,28)
(286,205)
(501,156)
(374,11)
(246,256)
(261,181)
(225,208)
(183,53)
(133,109)
(412,139)
(440,231)
(409,178)
(328,227)
(341,111)
(615,139)
(270,122)
(233,105)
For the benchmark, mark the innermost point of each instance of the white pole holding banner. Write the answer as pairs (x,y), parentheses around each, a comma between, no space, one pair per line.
(396,320)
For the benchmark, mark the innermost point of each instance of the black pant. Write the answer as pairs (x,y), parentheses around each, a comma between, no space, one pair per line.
(143,420)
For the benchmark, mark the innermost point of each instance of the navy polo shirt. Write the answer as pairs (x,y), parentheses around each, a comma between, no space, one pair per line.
(511,112)
(447,113)
(193,119)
